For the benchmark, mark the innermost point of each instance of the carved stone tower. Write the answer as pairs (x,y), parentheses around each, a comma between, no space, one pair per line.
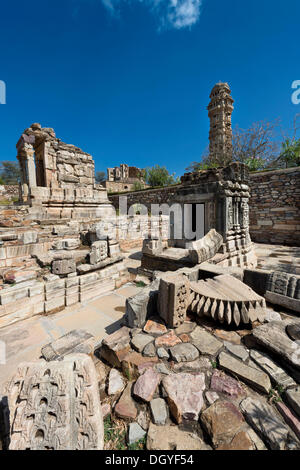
(220,135)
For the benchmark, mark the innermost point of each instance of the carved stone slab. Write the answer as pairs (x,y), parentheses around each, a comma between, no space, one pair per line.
(55,406)
(173,299)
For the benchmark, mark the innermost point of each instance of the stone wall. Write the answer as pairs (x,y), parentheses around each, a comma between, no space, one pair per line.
(274,205)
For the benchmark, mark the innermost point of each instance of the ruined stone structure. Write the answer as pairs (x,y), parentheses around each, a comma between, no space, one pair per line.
(58,179)
(215,199)
(122,178)
(56,246)
(220,135)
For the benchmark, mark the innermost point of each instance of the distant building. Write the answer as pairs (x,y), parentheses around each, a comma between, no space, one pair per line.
(123,178)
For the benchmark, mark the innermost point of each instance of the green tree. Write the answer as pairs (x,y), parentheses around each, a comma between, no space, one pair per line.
(290,153)
(100,177)
(159,176)
(137,186)
(9,172)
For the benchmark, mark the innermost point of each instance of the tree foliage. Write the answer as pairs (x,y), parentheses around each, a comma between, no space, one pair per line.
(100,177)
(9,172)
(159,176)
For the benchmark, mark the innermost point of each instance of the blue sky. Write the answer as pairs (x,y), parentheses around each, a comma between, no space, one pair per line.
(129,81)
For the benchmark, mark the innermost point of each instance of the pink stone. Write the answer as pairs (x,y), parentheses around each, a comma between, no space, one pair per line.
(169,340)
(125,408)
(289,418)
(224,384)
(146,385)
(185,395)
(155,327)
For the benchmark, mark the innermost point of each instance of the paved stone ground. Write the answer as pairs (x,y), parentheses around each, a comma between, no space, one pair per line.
(102,316)
(278,257)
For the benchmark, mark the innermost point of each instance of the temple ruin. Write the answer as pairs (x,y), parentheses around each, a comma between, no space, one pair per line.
(185,345)
(123,178)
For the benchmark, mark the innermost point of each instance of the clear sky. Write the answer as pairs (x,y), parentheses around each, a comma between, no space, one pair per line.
(129,81)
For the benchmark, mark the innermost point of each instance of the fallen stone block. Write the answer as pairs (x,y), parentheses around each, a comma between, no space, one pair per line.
(146,384)
(126,408)
(283,300)
(205,342)
(277,375)
(223,421)
(205,248)
(184,352)
(255,378)
(115,347)
(173,438)
(38,421)
(173,299)
(142,306)
(274,338)
(14,276)
(140,341)
(264,421)
(168,340)
(184,395)
(99,251)
(159,411)
(68,344)
(116,383)
(63,267)
(289,418)
(220,382)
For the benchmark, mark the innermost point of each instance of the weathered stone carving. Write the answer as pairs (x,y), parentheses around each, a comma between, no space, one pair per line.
(173,299)
(206,247)
(99,251)
(55,406)
(226,299)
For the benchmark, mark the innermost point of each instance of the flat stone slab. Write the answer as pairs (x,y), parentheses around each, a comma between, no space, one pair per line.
(199,365)
(168,340)
(221,382)
(141,340)
(146,385)
(289,418)
(55,405)
(173,438)
(155,327)
(184,395)
(184,352)
(293,399)
(70,343)
(237,350)
(185,328)
(255,378)
(159,411)
(86,268)
(274,338)
(205,342)
(265,422)
(283,300)
(222,421)
(276,373)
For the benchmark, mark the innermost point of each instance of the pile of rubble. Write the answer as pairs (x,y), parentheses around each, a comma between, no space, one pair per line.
(183,381)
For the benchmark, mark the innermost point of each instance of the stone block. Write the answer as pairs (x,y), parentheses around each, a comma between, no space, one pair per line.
(173,299)
(38,421)
(66,344)
(142,306)
(99,251)
(63,267)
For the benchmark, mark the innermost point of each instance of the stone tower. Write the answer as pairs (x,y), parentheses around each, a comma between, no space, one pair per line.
(220,135)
